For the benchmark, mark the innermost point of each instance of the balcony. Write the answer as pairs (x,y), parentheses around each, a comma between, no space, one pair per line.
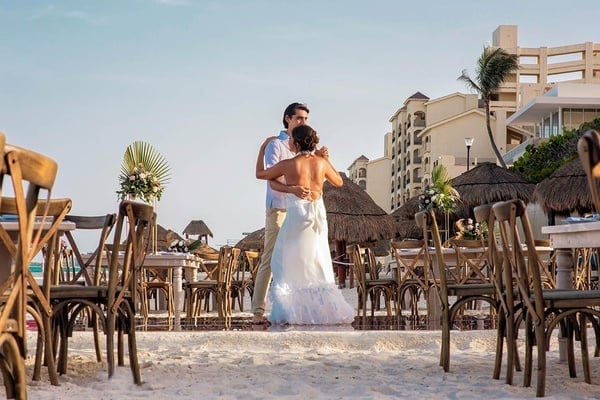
(420,123)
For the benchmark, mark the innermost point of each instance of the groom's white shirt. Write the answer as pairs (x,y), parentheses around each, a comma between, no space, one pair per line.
(278,149)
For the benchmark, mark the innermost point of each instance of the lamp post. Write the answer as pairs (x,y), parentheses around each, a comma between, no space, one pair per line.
(468,143)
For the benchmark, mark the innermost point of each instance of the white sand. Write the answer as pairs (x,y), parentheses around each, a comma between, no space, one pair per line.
(300,363)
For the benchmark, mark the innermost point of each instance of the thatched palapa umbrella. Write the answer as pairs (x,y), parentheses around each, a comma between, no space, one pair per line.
(353,216)
(254,241)
(198,227)
(487,183)
(564,191)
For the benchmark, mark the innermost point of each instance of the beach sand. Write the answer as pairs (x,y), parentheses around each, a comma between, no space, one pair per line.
(305,363)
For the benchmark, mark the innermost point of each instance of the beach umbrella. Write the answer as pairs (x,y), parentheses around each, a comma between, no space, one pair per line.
(353,216)
(253,241)
(198,227)
(565,190)
(487,183)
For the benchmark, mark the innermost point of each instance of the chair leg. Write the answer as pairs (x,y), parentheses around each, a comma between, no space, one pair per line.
(585,357)
(500,332)
(541,353)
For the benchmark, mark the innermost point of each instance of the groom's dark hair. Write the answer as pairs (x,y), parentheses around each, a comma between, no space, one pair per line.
(291,110)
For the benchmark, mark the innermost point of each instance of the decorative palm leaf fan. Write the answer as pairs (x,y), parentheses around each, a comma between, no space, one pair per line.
(144,172)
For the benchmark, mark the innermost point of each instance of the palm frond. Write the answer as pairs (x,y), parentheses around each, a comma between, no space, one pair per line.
(144,153)
(142,157)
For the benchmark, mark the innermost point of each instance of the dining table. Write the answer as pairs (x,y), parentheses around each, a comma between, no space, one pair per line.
(11,225)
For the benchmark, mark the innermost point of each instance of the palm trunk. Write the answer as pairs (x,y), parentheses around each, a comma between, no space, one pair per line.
(491,135)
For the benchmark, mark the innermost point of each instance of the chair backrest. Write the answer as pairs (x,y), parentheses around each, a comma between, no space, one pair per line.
(29,173)
(104,225)
(485,213)
(253,258)
(589,153)
(371,262)
(126,275)
(410,261)
(524,264)
(428,224)
(358,263)
(472,258)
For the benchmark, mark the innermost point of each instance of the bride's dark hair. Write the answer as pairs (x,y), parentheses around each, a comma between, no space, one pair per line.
(305,137)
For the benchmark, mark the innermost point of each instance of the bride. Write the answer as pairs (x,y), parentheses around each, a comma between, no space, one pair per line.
(303,289)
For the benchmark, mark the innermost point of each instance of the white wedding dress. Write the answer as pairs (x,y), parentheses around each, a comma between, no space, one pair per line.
(303,291)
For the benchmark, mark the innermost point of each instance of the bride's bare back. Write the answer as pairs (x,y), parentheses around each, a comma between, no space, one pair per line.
(306,170)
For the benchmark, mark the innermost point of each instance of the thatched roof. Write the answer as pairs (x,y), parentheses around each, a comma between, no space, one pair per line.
(197,227)
(353,216)
(565,190)
(488,182)
(164,237)
(407,210)
(254,241)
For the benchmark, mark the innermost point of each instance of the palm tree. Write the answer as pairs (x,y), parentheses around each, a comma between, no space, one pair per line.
(493,66)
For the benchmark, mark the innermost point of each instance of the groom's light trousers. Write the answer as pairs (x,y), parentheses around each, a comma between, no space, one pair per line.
(273,220)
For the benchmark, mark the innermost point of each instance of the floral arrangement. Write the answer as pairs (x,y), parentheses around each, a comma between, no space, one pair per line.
(140,183)
(471,230)
(144,173)
(439,194)
(184,246)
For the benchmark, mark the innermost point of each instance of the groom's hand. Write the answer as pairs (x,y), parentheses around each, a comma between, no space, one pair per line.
(300,191)
(322,152)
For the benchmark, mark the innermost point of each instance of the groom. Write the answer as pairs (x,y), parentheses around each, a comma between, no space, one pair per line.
(278,149)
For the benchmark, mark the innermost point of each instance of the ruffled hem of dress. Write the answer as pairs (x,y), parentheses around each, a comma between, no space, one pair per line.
(315,305)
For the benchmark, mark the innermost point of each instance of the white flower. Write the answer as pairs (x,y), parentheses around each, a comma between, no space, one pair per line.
(132,178)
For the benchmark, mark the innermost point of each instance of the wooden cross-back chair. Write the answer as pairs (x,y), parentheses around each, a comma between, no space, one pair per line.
(253,258)
(219,288)
(123,282)
(508,303)
(71,298)
(369,288)
(39,306)
(242,281)
(544,308)
(30,173)
(374,269)
(448,286)
(413,278)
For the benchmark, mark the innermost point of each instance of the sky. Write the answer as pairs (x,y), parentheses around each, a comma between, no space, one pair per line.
(205,82)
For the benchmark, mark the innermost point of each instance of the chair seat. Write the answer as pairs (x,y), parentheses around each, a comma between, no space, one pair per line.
(76,291)
(471,289)
(563,298)
(207,283)
(378,282)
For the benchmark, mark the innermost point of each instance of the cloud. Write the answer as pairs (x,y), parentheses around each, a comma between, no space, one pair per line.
(52,11)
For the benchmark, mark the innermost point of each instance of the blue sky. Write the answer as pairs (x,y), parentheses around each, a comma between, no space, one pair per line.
(206,81)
